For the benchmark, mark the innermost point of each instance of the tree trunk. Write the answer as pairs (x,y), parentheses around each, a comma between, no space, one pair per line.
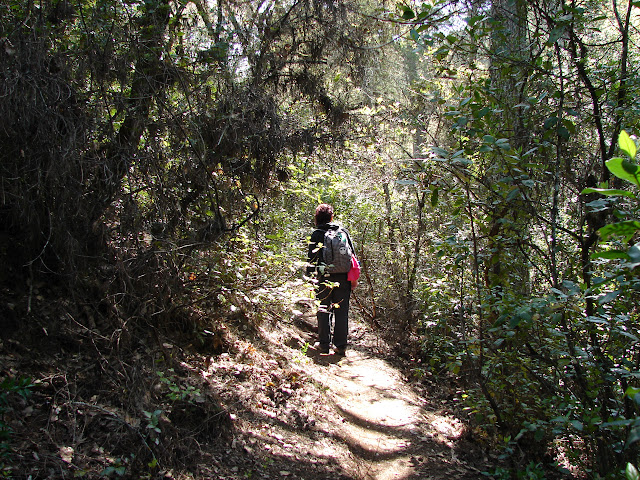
(507,265)
(150,79)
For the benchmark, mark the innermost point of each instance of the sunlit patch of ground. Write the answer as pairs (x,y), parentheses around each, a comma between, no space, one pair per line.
(316,417)
(381,418)
(367,417)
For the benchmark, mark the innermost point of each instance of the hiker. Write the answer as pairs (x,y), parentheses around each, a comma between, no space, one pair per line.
(332,288)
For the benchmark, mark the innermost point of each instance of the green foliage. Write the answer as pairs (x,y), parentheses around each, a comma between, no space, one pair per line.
(153,419)
(176,392)
(545,337)
(625,230)
(533,471)
(8,388)
(620,285)
(623,168)
(570,365)
(118,468)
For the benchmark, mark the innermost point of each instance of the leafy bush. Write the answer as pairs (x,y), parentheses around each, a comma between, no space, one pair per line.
(553,372)
(9,387)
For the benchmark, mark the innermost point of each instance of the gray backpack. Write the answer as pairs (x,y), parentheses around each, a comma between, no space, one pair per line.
(337,251)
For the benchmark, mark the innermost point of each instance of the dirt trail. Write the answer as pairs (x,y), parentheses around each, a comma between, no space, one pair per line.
(370,420)
(382,420)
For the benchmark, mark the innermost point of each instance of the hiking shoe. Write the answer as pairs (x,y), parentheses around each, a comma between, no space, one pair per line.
(323,349)
(340,351)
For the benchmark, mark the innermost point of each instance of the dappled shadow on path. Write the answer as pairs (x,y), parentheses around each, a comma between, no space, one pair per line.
(328,416)
(386,426)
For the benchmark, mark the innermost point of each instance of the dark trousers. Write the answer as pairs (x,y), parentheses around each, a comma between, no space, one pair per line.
(333,292)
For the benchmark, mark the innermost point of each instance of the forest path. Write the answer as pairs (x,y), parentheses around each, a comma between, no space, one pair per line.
(384,423)
(372,420)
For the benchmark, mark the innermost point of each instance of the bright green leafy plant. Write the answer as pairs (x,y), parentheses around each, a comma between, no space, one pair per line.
(626,170)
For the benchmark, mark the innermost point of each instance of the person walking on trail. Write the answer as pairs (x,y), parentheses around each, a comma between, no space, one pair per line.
(328,245)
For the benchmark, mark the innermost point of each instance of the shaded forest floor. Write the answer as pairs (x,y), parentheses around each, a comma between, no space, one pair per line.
(245,403)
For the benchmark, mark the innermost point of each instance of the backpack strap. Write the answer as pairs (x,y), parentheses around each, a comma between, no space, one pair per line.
(315,254)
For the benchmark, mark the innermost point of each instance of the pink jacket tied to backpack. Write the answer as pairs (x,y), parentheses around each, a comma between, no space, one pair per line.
(354,272)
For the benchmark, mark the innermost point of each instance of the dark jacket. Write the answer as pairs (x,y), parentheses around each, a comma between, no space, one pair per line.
(316,249)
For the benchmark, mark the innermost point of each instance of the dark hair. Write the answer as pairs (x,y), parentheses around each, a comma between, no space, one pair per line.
(324,214)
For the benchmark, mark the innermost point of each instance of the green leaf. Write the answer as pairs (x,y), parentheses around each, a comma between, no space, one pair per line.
(513,194)
(624,169)
(406,181)
(441,52)
(597,320)
(434,197)
(631,168)
(624,229)
(608,297)
(610,192)
(564,132)
(407,13)
(627,145)
(503,143)
(426,8)
(617,423)
(555,34)
(577,425)
(634,436)
(632,472)
(610,254)
(440,151)
(550,122)
(598,205)
(482,112)
(632,393)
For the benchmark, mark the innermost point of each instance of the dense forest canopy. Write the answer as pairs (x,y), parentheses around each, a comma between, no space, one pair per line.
(161,160)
